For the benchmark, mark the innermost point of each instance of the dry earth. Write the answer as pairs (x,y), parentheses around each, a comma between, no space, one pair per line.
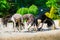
(8,34)
(43,35)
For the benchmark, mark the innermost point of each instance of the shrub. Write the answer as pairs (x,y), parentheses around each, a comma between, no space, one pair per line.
(33,9)
(22,11)
(4,5)
(53,14)
(58,10)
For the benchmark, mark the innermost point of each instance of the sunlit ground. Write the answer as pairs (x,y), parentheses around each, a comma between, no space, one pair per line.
(7,33)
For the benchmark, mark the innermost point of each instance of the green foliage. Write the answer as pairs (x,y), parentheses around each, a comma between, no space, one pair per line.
(58,11)
(40,3)
(33,10)
(56,16)
(51,3)
(53,14)
(4,5)
(22,11)
(27,3)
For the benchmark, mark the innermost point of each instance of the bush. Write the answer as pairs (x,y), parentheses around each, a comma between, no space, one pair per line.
(22,11)
(4,5)
(33,9)
(53,14)
(58,10)
(52,11)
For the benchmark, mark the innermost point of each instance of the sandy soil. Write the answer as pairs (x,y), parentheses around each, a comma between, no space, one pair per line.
(8,34)
(42,35)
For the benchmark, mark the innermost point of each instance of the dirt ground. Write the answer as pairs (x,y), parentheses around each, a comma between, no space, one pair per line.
(41,35)
(7,33)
